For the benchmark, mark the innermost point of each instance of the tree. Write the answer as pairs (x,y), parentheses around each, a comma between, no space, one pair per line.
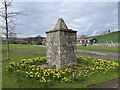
(9,22)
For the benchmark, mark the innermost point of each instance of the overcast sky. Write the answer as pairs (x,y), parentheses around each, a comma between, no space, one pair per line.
(89,18)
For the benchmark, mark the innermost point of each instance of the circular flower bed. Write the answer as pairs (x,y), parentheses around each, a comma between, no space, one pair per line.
(84,67)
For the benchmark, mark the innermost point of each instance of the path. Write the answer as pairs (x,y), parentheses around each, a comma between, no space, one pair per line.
(107,55)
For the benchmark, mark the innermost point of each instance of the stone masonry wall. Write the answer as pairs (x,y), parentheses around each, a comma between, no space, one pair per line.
(67,48)
(61,48)
(53,48)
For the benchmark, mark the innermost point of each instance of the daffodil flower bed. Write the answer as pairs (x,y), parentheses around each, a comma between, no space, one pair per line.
(84,67)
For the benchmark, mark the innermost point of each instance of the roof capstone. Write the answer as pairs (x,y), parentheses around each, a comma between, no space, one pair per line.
(60,25)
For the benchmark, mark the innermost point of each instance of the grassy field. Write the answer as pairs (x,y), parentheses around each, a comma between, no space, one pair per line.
(99,49)
(108,37)
(27,51)
(23,51)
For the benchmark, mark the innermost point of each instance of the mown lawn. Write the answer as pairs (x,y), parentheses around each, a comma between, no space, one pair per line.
(18,52)
(99,49)
(23,51)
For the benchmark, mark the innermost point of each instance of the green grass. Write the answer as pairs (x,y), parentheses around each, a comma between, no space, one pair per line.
(23,51)
(98,78)
(28,51)
(0,75)
(0,66)
(99,49)
(108,37)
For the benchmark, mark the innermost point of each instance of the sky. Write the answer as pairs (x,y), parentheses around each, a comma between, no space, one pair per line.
(89,18)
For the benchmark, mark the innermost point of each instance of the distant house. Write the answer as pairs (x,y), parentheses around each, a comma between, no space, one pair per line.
(91,41)
(84,41)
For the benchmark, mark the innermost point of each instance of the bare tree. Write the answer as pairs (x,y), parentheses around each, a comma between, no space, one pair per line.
(9,22)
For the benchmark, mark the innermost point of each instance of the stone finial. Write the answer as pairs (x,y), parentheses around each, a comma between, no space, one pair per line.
(60,25)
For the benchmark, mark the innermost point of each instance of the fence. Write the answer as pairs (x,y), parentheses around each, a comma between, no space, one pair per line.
(107,44)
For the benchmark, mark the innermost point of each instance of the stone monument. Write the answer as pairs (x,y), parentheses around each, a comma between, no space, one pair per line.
(61,45)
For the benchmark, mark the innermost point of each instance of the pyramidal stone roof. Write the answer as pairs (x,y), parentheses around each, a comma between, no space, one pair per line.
(60,25)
